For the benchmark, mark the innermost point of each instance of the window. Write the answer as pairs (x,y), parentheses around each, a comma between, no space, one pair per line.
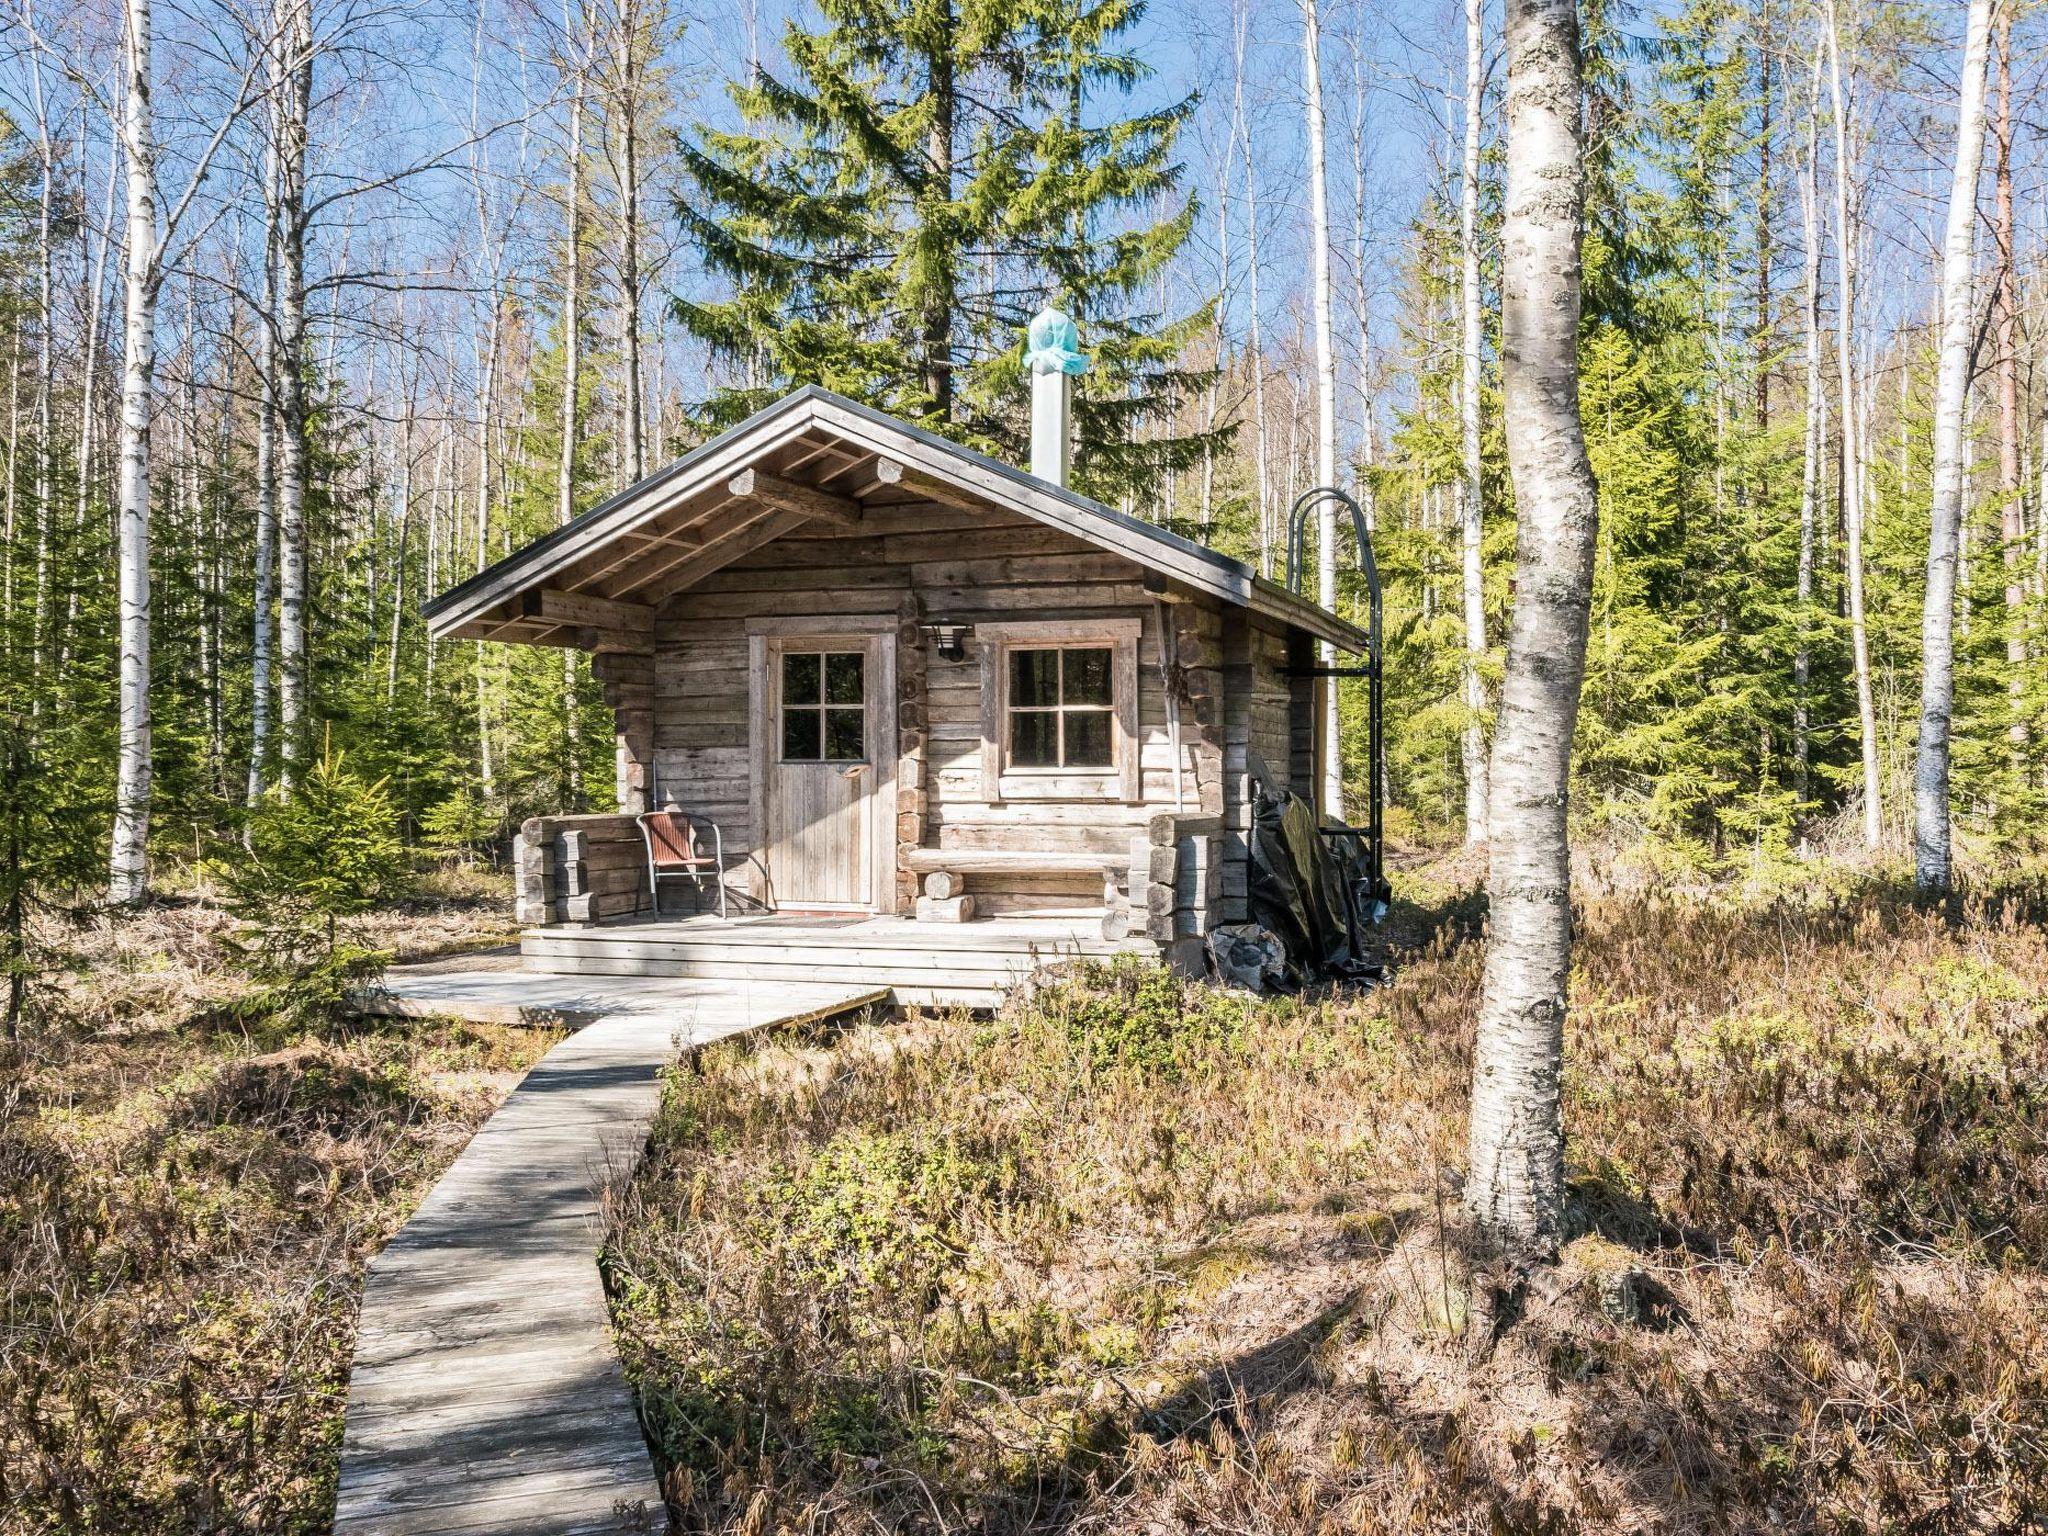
(824,707)
(1060,707)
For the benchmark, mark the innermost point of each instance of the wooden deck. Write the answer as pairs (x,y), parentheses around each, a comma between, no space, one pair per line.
(932,964)
(486,1396)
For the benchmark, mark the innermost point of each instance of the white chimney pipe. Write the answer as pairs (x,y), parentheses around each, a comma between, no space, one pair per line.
(1052,426)
(1053,358)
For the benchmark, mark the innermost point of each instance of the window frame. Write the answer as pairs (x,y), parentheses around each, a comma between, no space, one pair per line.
(1059,709)
(1122,778)
(823,708)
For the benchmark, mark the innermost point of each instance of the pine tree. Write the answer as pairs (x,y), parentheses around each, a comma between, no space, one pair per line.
(929,174)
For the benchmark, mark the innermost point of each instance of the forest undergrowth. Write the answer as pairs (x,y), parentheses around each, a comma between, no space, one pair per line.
(189,1190)
(1136,1256)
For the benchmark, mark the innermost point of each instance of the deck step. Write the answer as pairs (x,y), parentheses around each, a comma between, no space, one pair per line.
(972,965)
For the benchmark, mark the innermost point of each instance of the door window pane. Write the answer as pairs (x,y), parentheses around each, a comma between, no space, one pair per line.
(824,718)
(800,677)
(845,734)
(801,739)
(844,681)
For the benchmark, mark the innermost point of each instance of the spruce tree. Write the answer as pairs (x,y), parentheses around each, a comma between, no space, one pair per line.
(928,174)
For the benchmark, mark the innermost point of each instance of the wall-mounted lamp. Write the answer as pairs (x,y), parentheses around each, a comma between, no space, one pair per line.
(950,639)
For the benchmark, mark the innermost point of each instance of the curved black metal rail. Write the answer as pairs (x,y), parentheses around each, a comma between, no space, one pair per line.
(1375,734)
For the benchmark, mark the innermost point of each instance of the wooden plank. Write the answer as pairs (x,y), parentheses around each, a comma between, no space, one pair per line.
(486,1395)
(992,861)
(718,552)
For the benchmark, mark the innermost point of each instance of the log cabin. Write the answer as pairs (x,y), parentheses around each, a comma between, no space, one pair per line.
(931,718)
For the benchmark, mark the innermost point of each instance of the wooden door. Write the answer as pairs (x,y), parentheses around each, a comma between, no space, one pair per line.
(821,761)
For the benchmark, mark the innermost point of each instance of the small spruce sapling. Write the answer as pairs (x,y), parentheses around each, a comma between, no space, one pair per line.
(49,848)
(455,827)
(324,850)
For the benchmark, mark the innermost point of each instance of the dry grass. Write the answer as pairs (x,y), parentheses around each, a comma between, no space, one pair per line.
(1137,1258)
(185,1209)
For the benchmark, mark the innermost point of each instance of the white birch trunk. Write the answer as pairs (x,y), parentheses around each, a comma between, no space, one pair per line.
(1330,798)
(572,383)
(405,500)
(1515,1186)
(263,618)
(294,45)
(1852,443)
(46,367)
(1932,859)
(1261,448)
(1814,445)
(1472,507)
(127,864)
(13,515)
(628,103)
(486,399)
(1368,439)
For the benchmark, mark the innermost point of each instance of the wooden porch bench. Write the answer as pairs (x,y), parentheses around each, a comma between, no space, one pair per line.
(945,871)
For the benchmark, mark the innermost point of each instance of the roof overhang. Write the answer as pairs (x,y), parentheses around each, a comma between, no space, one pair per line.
(813,455)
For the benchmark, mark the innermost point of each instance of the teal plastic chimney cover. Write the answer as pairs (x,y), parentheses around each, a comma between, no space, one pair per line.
(1055,344)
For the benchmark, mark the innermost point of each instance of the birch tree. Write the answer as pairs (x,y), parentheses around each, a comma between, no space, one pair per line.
(1331,796)
(1361,298)
(575,40)
(263,618)
(630,30)
(1853,479)
(128,870)
(146,244)
(291,95)
(1515,1184)
(1471,507)
(1932,862)
(1814,440)
(2012,522)
(1255,351)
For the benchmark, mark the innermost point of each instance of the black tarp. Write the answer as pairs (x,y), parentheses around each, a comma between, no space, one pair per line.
(1310,888)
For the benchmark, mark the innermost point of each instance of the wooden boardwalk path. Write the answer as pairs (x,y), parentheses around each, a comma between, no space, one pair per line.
(486,1397)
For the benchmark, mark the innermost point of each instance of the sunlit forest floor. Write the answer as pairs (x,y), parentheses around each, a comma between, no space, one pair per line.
(1130,1257)
(188,1194)
(1136,1257)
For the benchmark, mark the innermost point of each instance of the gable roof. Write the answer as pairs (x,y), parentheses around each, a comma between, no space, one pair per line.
(817,455)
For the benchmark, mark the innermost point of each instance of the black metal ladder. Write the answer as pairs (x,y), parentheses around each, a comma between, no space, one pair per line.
(1375,733)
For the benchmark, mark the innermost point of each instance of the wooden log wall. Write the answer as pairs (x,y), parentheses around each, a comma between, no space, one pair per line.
(579,869)
(924,563)
(913,732)
(1268,724)
(1176,887)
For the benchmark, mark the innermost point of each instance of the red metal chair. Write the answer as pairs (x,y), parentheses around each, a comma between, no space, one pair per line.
(673,852)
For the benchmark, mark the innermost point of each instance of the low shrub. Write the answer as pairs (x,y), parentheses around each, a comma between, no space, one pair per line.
(1136,1255)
